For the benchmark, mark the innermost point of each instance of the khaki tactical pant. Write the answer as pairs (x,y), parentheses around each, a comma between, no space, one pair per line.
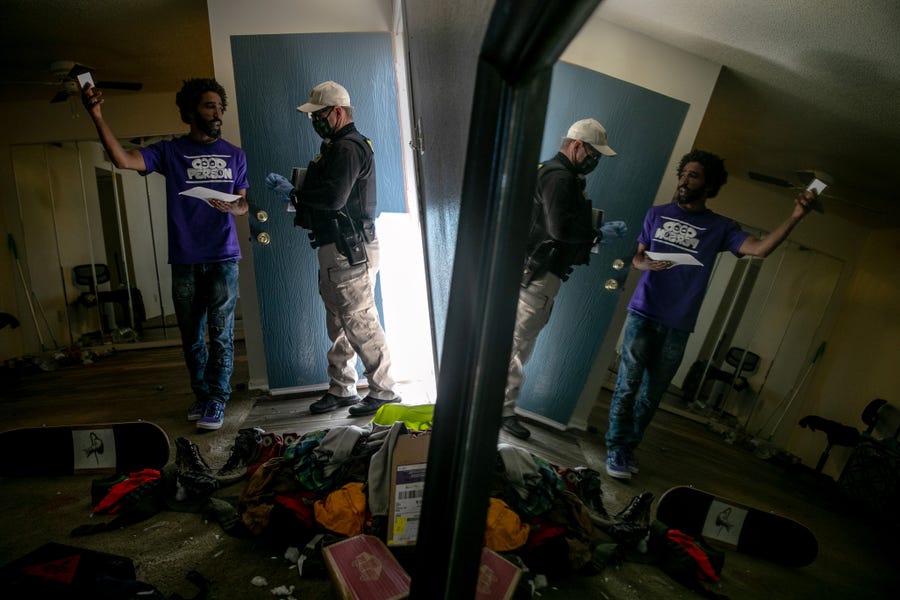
(352,323)
(532,313)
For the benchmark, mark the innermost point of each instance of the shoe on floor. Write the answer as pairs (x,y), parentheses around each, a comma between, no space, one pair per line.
(512,426)
(369,406)
(188,458)
(246,449)
(195,412)
(616,465)
(637,510)
(329,402)
(213,417)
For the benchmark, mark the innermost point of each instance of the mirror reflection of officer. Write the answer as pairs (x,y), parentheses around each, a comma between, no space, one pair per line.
(336,203)
(562,234)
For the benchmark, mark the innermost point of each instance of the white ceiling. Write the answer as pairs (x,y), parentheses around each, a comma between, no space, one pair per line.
(806,84)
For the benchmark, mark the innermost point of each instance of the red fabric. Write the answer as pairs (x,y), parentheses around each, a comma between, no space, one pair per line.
(705,571)
(295,503)
(110,502)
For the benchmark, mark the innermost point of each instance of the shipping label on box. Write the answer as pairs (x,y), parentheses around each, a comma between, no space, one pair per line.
(408,464)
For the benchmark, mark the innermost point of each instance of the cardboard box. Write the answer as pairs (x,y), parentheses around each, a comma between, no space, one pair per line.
(408,463)
(362,568)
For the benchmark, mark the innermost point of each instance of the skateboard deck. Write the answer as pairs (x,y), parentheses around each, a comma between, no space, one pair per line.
(82,449)
(727,523)
(61,571)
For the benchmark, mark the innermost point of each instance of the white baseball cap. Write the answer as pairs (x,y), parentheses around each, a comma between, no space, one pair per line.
(591,132)
(327,93)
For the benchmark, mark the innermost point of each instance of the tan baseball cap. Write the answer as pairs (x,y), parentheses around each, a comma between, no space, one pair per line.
(593,133)
(327,93)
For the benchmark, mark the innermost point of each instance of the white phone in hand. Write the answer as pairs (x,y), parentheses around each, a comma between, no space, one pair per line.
(85,78)
(818,185)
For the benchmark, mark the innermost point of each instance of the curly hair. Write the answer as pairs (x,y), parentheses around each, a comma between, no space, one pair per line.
(189,96)
(713,169)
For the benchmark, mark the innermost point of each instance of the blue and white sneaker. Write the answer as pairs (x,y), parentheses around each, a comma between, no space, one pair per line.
(616,465)
(195,412)
(213,417)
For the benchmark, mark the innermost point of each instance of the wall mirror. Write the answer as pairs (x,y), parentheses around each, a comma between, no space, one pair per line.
(757,336)
(94,246)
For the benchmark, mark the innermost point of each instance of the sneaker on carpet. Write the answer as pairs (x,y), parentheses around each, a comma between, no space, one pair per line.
(271,445)
(188,458)
(512,426)
(616,466)
(213,417)
(247,446)
(369,406)
(329,402)
(195,412)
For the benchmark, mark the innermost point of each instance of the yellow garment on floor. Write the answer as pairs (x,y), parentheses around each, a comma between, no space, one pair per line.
(343,510)
(504,530)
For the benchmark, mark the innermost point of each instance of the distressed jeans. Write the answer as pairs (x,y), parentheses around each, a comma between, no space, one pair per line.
(205,297)
(651,355)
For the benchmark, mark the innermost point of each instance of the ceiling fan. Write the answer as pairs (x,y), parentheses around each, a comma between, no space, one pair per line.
(65,75)
(805,177)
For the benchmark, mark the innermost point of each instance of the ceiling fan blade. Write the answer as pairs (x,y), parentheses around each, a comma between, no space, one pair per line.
(770,179)
(120,85)
(61,96)
(77,70)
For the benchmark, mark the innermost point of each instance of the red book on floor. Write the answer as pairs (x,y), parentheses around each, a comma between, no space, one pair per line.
(363,568)
(497,577)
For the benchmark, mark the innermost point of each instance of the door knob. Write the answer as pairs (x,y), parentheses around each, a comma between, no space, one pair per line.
(611,285)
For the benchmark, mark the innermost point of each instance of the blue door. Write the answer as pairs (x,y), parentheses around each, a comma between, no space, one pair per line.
(274,74)
(642,127)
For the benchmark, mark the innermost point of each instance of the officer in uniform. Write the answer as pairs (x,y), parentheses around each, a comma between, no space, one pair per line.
(336,203)
(562,234)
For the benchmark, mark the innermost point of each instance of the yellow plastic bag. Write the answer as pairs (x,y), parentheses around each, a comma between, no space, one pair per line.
(416,418)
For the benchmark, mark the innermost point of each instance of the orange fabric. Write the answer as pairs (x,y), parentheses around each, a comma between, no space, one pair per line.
(504,529)
(343,510)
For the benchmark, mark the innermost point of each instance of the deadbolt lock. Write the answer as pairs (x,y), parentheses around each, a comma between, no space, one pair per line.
(262,216)
(264,238)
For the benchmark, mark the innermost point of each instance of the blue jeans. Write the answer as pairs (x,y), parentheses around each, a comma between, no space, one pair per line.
(206,294)
(651,354)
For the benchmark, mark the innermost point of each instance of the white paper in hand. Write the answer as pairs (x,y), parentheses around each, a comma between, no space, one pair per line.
(207,194)
(676,258)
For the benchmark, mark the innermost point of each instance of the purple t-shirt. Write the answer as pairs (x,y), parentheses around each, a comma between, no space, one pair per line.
(673,297)
(198,233)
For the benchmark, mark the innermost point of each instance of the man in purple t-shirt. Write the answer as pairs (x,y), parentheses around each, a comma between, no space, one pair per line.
(663,310)
(203,244)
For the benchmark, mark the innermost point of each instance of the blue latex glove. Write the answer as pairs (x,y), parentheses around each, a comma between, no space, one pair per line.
(612,230)
(280,185)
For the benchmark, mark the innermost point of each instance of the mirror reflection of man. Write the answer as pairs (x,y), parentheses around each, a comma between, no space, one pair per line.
(203,243)
(665,304)
(562,234)
(337,204)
